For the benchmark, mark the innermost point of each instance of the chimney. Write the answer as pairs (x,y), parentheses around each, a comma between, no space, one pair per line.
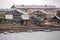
(22,5)
(45,5)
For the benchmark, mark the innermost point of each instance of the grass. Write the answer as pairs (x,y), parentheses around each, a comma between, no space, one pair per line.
(2,15)
(9,25)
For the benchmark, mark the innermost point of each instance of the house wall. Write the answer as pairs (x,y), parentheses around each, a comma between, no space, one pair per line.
(51,11)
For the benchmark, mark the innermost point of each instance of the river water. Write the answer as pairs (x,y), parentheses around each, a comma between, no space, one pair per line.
(54,35)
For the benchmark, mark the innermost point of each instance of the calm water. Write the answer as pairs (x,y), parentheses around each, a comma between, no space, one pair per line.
(55,35)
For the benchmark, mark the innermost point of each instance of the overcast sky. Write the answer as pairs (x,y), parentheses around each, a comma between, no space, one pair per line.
(9,3)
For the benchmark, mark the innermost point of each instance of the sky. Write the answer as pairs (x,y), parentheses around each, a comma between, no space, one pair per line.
(9,3)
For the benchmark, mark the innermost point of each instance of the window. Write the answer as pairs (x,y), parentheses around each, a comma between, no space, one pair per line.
(26,10)
(49,10)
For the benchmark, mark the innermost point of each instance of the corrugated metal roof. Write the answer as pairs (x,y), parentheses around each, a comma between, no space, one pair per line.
(34,6)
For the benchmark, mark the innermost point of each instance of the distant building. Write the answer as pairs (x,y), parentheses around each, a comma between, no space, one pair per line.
(47,9)
(32,10)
